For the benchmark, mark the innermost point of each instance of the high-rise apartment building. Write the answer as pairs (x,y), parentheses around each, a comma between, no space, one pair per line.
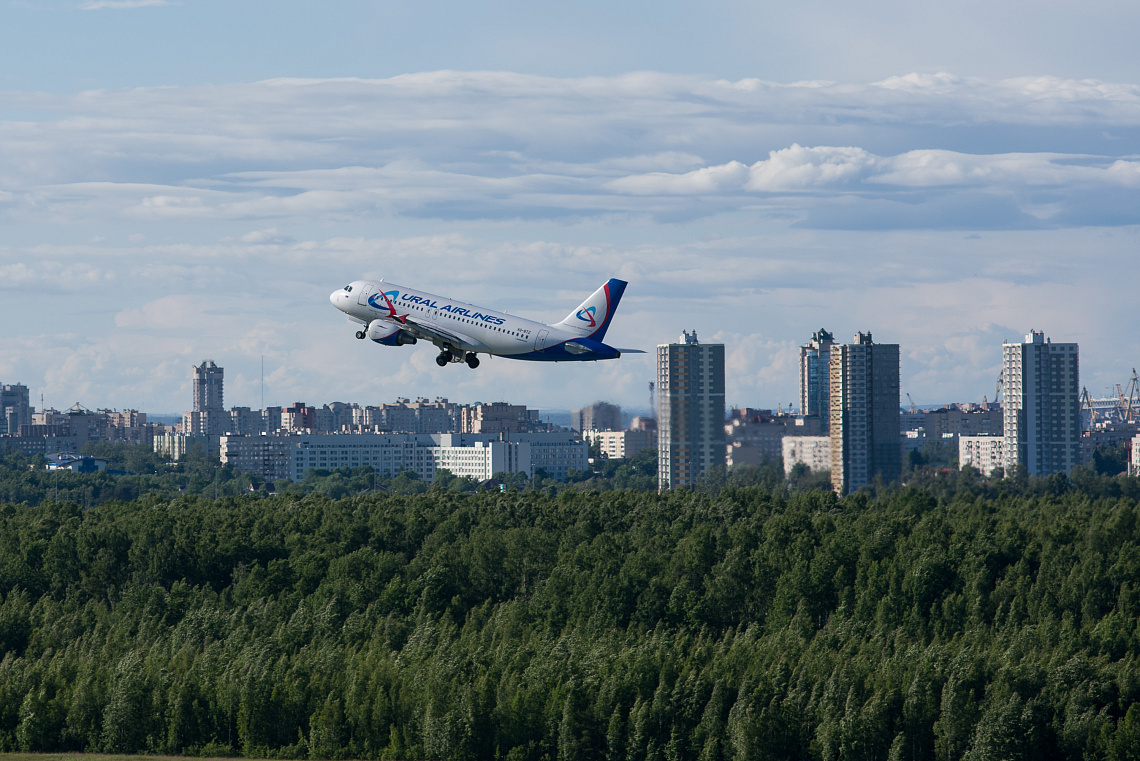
(690,410)
(815,377)
(209,415)
(864,426)
(208,387)
(1041,405)
(15,408)
(599,416)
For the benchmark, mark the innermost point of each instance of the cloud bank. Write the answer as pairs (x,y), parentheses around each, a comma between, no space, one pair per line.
(151,227)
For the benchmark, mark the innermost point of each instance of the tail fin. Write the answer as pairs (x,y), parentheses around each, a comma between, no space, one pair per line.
(592,317)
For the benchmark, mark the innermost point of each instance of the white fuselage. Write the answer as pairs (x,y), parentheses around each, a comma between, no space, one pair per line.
(394,314)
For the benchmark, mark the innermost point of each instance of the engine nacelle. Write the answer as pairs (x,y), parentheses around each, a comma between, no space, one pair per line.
(386,333)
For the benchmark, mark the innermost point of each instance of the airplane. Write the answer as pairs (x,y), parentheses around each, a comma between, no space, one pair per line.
(393,315)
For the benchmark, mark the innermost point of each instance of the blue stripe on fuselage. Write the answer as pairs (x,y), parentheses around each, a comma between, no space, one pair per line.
(559,353)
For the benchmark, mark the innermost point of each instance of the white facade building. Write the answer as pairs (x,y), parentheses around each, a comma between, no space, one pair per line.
(813,451)
(984,453)
(1134,456)
(483,459)
(478,456)
(175,445)
(618,445)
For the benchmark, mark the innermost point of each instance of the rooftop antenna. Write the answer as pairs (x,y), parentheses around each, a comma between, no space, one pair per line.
(652,400)
(262,381)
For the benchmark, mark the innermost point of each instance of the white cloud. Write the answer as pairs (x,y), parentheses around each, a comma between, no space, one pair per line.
(799,168)
(714,179)
(459,146)
(749,210)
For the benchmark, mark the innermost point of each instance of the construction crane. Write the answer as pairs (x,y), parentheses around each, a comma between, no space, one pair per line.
(912,410)
(652,399)
(1086,404)
(1125,399)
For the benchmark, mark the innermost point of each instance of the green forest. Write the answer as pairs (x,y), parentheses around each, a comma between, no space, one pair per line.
(752,617)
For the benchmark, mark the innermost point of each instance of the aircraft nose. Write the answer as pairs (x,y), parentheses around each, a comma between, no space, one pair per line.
(338,298)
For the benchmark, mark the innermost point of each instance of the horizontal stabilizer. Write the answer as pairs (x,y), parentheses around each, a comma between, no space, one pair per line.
(631,351)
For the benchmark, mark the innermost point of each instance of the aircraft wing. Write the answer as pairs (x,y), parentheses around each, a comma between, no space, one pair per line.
(439,336)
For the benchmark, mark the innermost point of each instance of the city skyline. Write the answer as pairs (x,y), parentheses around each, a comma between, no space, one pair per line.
(933,177)
(633,408)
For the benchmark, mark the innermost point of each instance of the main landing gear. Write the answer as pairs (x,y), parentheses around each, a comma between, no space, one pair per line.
(446,356)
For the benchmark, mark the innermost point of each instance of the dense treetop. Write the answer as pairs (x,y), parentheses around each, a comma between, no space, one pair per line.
(958,618)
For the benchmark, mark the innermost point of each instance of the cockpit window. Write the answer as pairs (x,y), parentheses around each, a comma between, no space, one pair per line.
(348,289)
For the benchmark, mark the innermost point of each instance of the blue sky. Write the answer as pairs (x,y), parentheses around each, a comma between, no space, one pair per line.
(63,45)
(189,180)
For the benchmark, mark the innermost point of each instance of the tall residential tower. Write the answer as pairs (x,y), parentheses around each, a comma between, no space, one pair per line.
(1041,405)
(209,415)
(815,377)
(15,408)
(864,429)
(690,410)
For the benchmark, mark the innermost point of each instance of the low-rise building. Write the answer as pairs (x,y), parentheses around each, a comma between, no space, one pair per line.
(33,445)
(497,417)
(1106,434)
(480,459)
(984,453)
(477,456)
(556,453)
(177,445)
(267,457)
(77,463)
(963,420)
(754,436)
(618,445)
(812,451)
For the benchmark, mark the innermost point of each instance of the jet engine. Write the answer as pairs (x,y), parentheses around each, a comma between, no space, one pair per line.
(383,332)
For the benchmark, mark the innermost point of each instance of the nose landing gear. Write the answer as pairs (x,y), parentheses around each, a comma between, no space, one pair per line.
(361,334)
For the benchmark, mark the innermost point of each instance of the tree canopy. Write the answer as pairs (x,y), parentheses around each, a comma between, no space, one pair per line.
(741,620)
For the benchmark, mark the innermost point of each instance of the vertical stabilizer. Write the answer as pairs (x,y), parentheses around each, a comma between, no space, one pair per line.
(592,317)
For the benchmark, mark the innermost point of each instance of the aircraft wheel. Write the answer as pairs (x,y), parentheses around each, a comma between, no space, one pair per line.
(472,360)
(361,334)
(443,359)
